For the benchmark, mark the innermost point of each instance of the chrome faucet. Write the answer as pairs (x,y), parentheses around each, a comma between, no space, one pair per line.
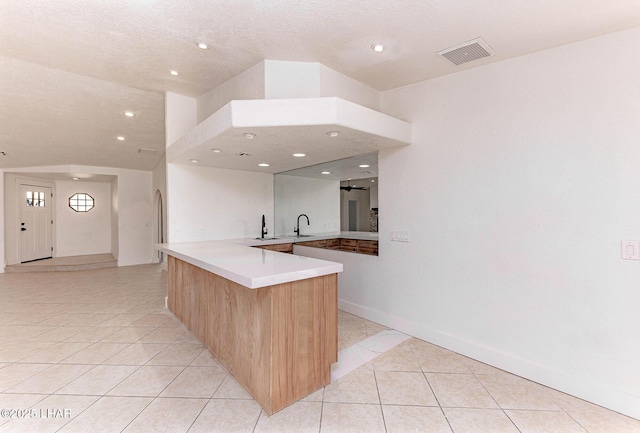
(297,229)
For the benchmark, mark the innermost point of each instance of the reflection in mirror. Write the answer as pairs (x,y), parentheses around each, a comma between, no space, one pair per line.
(359,205)
(337,196)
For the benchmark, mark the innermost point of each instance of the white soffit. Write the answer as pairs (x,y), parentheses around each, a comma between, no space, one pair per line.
(283,127)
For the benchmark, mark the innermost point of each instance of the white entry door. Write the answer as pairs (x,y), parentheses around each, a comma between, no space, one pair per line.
(35,223)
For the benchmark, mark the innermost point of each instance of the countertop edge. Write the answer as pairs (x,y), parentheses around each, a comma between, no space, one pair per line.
(195,252)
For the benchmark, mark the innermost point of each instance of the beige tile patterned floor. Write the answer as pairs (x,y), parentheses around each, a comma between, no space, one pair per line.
(95,351)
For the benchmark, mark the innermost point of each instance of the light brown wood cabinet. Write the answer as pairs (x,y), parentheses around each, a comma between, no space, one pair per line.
(333,244)
(361,246)
(283,248)
(349,245)
(277,341)
(368,247)
(322,243)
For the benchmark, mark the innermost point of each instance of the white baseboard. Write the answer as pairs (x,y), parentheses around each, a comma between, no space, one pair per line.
(586,389)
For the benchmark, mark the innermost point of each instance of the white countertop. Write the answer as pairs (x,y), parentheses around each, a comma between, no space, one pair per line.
(252,267)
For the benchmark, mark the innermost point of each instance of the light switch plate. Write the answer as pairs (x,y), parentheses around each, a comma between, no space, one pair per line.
(630,250)
(400,236)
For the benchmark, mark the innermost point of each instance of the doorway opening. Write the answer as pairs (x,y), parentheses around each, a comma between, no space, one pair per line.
(353,215)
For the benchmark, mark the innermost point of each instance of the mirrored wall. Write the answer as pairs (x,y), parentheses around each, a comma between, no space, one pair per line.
(336,196)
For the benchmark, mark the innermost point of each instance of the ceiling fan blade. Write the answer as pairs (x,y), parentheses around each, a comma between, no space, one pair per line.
(349,188)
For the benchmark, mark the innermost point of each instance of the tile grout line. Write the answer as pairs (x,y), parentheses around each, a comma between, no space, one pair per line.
(384,422)
(424,374)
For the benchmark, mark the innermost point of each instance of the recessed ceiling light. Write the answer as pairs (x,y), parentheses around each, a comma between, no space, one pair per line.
(263,164)
(173,72)
(249,135)
(129,113)
(325,172)
(202,45)
(333,133)
(364,166)
(216,150)
(195,161)
(120,138)
(299,155)
(378,47)
(76,178)
(373,180)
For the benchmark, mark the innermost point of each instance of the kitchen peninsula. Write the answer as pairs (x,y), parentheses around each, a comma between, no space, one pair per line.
(270,318)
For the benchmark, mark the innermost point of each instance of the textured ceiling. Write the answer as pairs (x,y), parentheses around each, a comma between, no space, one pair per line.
(68,68)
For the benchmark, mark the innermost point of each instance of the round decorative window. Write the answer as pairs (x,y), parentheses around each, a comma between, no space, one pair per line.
(81,202)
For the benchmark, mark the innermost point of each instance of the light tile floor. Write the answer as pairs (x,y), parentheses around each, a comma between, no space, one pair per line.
(95,351)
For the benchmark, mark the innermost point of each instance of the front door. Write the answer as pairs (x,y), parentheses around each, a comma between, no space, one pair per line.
(35,223)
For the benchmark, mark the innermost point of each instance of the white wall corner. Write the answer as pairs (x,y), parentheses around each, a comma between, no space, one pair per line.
(333,83)
(249,84)
(180,116)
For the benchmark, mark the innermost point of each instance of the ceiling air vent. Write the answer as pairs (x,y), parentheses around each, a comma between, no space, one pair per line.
(467,52)
(243,154)
(145,151)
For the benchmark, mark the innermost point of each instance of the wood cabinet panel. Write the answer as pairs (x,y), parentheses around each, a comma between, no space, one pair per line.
(322,243)
(278,341)
(348,243)
(333,243)
(368,247)
(283,248)
(361,246)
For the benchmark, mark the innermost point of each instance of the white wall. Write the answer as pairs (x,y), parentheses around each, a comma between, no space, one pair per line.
(269,79)
(249,84)
(364,206)
(182,112)
(524,179)
(319,199)
(83,233)
(373,194)
(115,220)
(285,80)
(208,203)
(135,213)
(3,261)
(333,83)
